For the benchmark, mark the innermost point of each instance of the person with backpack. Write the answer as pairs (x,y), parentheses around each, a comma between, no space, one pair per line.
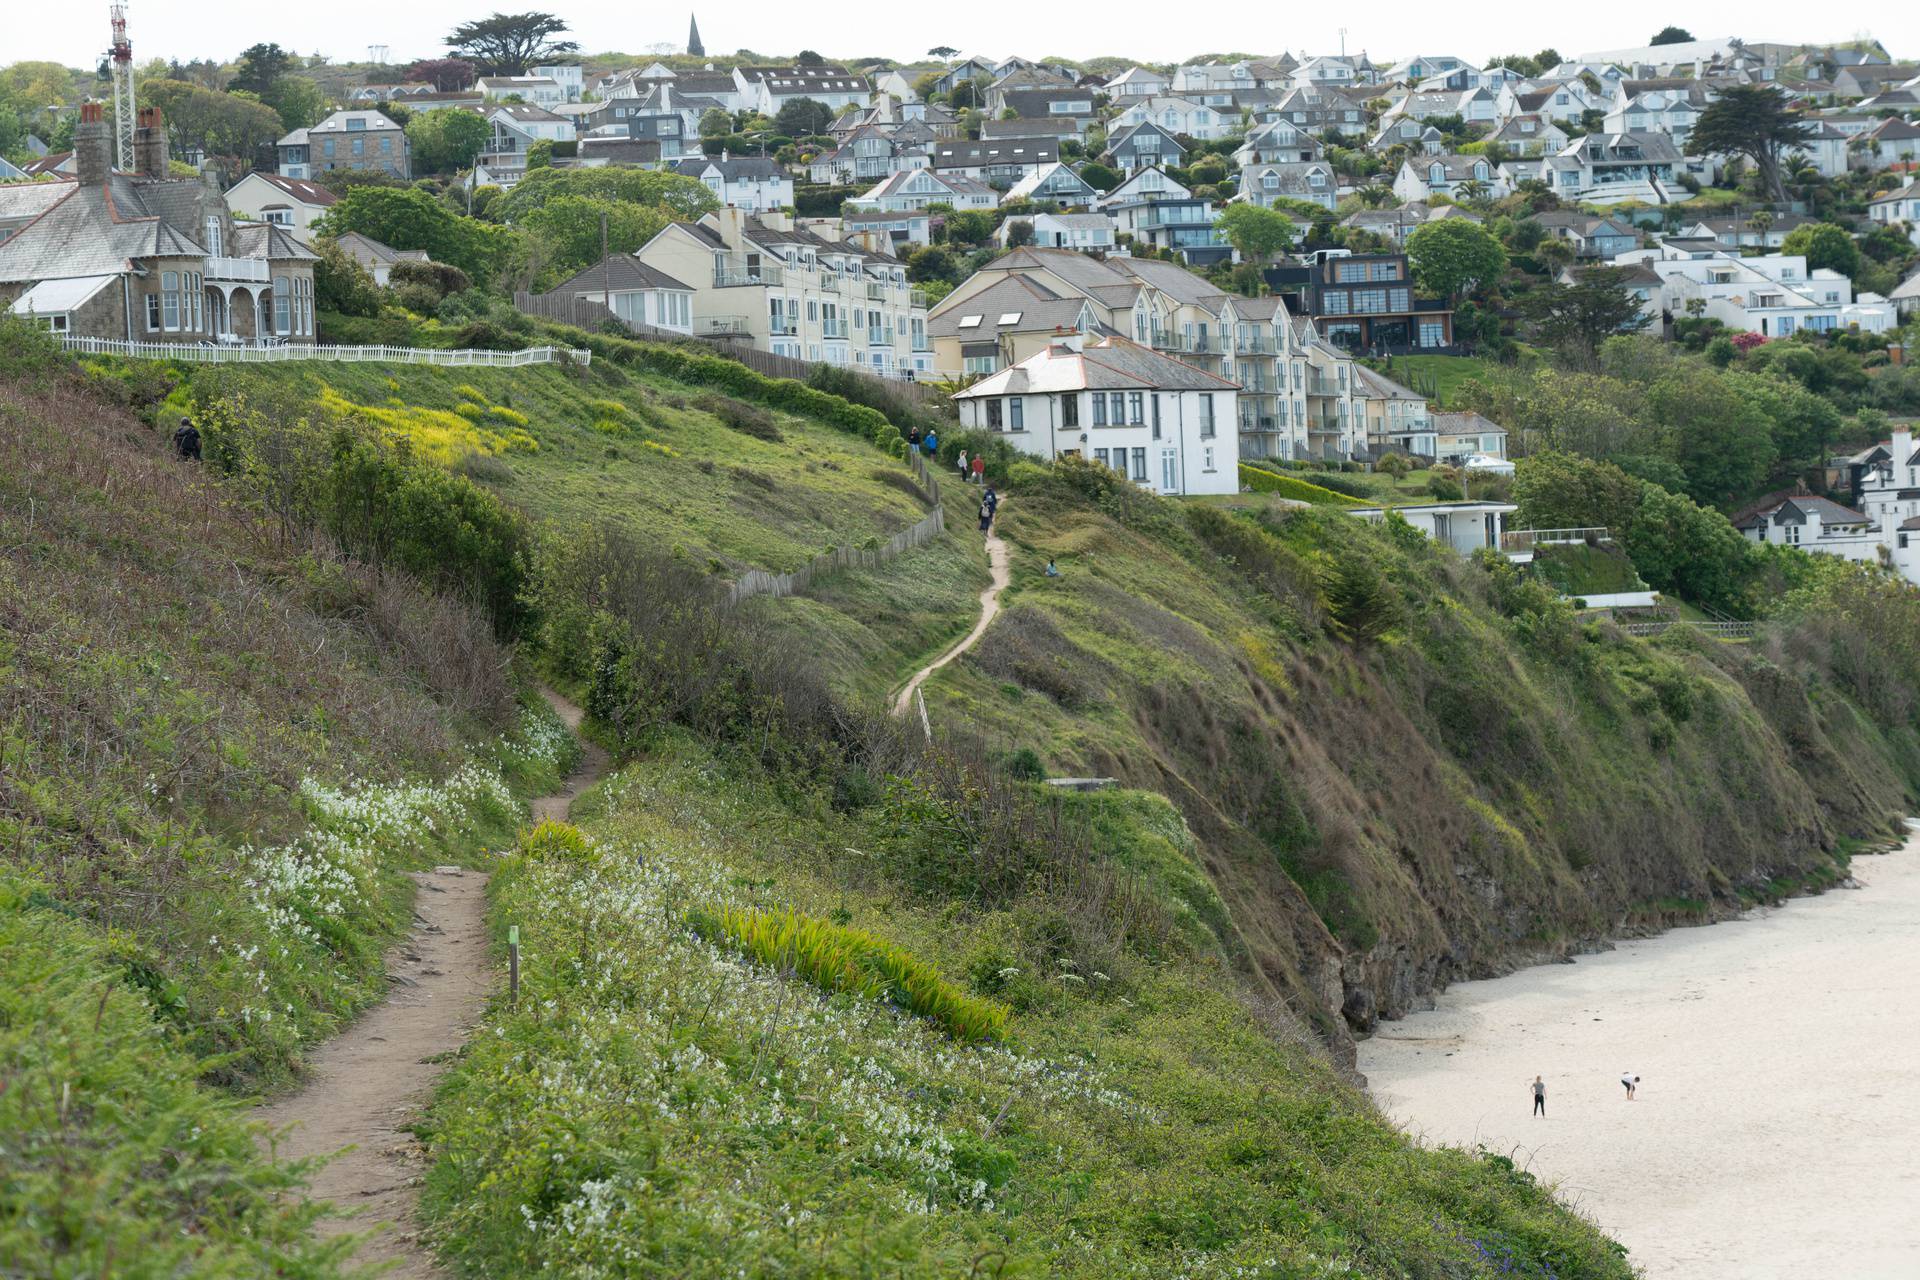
(961,463)
(186,440)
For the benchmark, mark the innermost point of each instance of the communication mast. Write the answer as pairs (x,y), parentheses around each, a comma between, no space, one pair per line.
(122,89)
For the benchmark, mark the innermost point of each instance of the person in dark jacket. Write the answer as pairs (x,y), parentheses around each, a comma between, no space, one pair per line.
(186,440)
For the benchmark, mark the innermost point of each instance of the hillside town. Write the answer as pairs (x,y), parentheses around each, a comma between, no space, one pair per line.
(1302,233)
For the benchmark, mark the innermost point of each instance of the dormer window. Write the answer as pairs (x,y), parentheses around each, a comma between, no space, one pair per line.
(1436,173)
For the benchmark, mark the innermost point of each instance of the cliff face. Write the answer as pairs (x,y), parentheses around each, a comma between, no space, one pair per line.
(1404,769)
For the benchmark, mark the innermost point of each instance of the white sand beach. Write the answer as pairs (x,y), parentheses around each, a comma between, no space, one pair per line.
(1777,1130)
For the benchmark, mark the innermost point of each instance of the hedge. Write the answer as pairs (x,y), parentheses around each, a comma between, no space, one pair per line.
(1261,481)
(736,379)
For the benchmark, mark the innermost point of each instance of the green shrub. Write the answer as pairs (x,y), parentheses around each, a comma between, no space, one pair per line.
(1259,480)
(747,419)
(837,958)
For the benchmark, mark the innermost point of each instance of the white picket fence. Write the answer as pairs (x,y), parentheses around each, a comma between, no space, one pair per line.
(193,353)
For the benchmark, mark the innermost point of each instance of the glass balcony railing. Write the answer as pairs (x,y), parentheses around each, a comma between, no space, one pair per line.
(736,276)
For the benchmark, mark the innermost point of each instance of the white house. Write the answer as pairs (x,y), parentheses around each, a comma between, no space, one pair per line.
(750,183)
(1773,295)
(569,76)
(539,90)
(377,258)
(1167,426)
(1178,116)
(767,89)
(291,203)
(1315,182)
(1467,527)
(1149,184)
(1055,182)
(918,188)
(1898,207)
(1137,82)
(1332,73)
(1422,177)
(1084,232)
(637,293)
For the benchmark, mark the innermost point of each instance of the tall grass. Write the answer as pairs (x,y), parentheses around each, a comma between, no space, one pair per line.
(837,958)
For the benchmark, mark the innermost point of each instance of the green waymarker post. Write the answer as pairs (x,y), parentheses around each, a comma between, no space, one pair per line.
(513,963)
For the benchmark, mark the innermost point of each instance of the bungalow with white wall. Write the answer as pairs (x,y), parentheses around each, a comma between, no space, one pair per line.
(1179,116)
(1467,527)
(750,183)
(1055,182)
(1081,232)
(637,293)
(1137,82)
(1423,177)
(1163,424)
(1774,295)
(1900,207)
(1314,182)
(918,188)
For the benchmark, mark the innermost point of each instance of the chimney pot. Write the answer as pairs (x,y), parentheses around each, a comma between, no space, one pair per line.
(92,148)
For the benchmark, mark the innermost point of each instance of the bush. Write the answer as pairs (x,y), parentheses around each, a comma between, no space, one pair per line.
(747,419)
(840,959)
(1260,480)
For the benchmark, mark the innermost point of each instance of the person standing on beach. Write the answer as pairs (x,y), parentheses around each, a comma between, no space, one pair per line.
(1539,1096)
(1630,1080)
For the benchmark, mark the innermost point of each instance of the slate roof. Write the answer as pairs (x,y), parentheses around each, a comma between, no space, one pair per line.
(1112,363)
(964,154)
(732,169)
(297,188)
(1037,306)
(622,271)
(91,231)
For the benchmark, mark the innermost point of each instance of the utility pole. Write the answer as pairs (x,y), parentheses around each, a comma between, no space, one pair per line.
(606,270)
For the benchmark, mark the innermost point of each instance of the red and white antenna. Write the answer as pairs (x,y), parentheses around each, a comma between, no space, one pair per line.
(122,89)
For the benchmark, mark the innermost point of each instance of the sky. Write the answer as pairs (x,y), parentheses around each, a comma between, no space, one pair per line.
(76,34)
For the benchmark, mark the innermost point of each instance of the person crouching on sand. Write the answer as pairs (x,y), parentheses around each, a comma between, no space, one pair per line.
(1632,1082)
(1539,1096)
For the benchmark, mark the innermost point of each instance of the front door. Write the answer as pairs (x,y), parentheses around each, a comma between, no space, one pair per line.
(1169,471)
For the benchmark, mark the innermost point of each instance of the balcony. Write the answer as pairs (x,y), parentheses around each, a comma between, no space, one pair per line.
(879,338)
(834,329)
(253,270)
(1322,386)
(1319,424)
(722,327)
(783,328)
(876,292)
(917,299)
(736,277)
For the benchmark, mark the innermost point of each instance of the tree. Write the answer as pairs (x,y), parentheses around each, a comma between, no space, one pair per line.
(715,123)
(1750,120)
(408,218)
(448,75)
(1099,176)
(260,66)
(446,140)
(298,101)
(942,52)
(220,124)
(808,58)
(341,284)
(1580,316)
(1671,35)
(803,117)
(1682,547)
(1019,233)
(568,230)
(678,196)
(540,154)
(1824,245)
(1556,490)
(509,43)
(932,263)
(1255,233)
(1719,436)
(1455,255)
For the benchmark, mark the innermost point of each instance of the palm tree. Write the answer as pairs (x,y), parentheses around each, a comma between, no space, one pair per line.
(1472,191)
(1373,195)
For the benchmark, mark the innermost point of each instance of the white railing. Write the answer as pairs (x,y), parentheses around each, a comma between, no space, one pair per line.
(1729,629)
(196,354)
(237,269)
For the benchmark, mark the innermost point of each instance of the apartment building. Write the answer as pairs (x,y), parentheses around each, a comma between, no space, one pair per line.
(762,281)
(1365,302)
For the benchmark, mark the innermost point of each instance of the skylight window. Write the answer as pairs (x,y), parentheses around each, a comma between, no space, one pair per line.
(1010,317)
(970,322)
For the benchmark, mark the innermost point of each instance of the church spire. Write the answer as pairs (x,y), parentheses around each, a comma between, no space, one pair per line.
(694,48)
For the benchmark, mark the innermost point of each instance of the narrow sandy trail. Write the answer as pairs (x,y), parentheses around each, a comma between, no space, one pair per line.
(367,1084)
(999,562)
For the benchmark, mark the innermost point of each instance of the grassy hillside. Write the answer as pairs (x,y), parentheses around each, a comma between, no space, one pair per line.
(662,1105)
(609,444)
(219,748)
(1404,769)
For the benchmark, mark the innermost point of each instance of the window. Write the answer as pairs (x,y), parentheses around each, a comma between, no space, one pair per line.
(196,300)
(282,307)
(1117,407)
(280,217)
(995,420)
(359,146)
(1099,409)
(1016,413)
(1070,411)
(1156,415)
(1100,456)
(1139,464)
(214,248)
(971,364)
(170,299)
(1206,458)
(1791,535)
(1135,408)
(153,312)
(1206,414)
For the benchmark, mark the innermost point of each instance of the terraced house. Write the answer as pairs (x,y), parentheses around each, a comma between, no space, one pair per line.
(144,257)
(763,282)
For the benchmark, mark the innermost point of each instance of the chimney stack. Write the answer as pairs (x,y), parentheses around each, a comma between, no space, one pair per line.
(92,146)
(150,144)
